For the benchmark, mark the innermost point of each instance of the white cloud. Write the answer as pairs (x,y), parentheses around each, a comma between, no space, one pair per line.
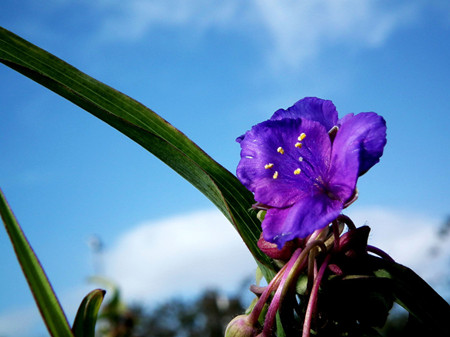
(185,254)
(290,31)
(410,239)
(27,321)
(135,18)
(179,255)
(19,322)
(301,30)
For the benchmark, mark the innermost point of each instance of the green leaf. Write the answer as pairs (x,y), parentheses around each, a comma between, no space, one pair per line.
(44,296)
(144,127)
(84,324)
(416,296)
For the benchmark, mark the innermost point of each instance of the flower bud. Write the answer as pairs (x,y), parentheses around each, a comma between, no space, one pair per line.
(241,327)
(272,251)
(354,242)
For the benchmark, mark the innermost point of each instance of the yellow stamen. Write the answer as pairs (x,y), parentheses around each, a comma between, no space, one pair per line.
(280,150)
(302,136)
(275,175)
(300,158)
(268,166)
(297,171)
(299,145)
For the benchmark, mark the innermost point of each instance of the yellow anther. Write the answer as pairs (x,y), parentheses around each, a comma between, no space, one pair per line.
(268,166)
(297,171)
(280,150)
(299,145)
(300,158)
(275,175)
(302,136)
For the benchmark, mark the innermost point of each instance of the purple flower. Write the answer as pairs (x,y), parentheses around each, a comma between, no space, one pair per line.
(303,165)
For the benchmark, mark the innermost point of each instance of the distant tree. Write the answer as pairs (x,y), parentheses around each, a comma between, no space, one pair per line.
(205,316)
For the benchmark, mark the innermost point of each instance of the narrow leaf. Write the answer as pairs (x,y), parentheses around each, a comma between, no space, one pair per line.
(43,293)
(86,318)
(146,128)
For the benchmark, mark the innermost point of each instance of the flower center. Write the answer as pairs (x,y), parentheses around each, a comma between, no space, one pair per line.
(281,151)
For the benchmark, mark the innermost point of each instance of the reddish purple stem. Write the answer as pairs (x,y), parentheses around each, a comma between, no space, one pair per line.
(313,297)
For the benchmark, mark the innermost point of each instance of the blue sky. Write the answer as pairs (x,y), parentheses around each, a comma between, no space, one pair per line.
(212,69)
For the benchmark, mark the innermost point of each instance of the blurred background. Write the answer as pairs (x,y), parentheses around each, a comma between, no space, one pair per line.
(94,203)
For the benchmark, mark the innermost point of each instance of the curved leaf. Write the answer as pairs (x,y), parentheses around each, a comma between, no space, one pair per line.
(144,127)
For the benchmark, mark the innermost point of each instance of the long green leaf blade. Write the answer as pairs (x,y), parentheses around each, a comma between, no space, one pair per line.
(41,288)
(143,126)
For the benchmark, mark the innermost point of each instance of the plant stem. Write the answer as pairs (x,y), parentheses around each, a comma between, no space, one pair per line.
(313,297)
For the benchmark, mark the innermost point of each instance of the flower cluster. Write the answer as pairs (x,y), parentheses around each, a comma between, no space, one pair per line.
(303,164)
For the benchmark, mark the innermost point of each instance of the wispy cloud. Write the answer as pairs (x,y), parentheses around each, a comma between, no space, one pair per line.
(300,30)
(134,19)
(290,32)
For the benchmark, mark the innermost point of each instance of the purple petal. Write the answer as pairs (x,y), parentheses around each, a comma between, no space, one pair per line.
(280,179)
(312,108)
(344,119)
(365,133)
(300,220)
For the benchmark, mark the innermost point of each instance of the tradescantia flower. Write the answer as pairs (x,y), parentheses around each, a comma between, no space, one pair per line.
(303,164)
